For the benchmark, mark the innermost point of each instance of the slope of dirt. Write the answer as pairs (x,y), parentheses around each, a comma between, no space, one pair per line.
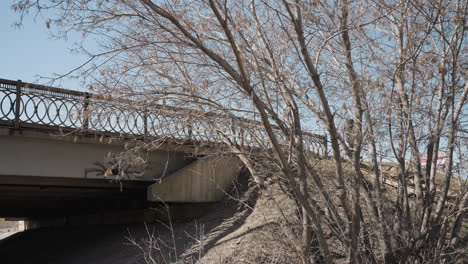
(259,239)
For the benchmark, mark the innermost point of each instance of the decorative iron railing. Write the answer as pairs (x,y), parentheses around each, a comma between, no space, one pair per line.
(26,105)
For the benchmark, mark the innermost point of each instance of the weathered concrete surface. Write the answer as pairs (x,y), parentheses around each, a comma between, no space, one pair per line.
(42,176)
(204,180)
(9,228)
(8,224)
(24,156)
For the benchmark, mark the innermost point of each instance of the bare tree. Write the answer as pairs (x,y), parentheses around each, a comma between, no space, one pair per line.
(376,76)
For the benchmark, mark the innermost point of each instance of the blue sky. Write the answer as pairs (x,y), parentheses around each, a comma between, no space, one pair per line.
(29,52)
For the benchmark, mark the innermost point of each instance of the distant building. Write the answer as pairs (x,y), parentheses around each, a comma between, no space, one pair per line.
(441,161)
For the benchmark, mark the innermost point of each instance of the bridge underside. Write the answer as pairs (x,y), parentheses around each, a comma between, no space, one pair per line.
(45,197)
(43,175)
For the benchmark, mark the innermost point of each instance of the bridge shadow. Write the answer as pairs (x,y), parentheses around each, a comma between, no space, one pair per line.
(188,241)
(185,241)
(236,207)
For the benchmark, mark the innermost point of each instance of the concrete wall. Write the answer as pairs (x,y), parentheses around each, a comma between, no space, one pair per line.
(11,226)
(24,156)
(46,155)
(201,181)
(8,224)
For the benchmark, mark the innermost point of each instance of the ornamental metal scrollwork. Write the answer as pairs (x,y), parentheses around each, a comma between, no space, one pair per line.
(50,108)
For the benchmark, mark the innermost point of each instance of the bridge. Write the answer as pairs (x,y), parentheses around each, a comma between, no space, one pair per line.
(65,152)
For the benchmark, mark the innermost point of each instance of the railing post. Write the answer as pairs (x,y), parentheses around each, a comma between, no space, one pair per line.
(86,111)
(189,128)
(145,122)
(242,136)
(18,104)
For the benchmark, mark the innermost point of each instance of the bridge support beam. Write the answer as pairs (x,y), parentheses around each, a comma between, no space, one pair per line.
(204,180)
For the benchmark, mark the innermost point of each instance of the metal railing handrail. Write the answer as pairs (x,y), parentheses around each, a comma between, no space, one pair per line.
(94,112)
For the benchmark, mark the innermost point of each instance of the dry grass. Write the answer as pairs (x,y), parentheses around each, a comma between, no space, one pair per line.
(260,238)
